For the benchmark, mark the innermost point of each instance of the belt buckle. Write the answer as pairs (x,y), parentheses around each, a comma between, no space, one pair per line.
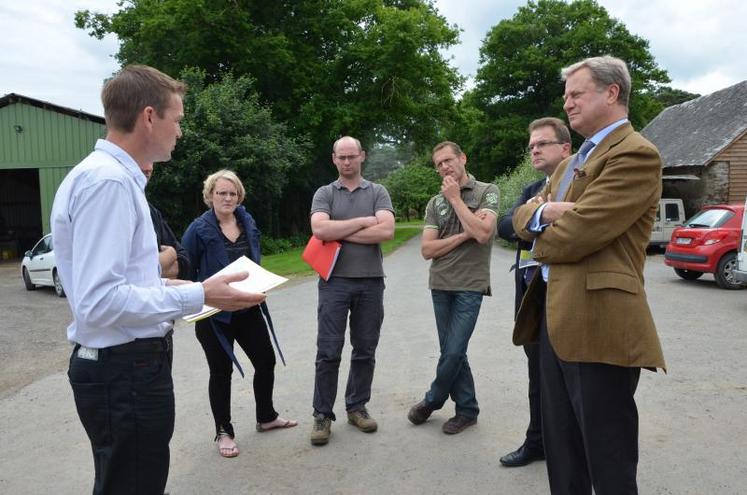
(88,353)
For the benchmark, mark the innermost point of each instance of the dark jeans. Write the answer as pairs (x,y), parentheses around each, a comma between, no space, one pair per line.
(589,424)
(249,330)
(125,400)
(456,315)
(363,300)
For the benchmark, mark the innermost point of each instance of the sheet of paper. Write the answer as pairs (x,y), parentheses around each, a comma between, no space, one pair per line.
(259,280)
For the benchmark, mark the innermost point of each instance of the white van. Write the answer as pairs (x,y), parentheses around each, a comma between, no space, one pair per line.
(740,272)
(671,214)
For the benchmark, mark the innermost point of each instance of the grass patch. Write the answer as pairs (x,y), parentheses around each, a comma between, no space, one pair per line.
(290,264)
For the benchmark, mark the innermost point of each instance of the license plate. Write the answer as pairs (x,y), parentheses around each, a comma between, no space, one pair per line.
(683,240)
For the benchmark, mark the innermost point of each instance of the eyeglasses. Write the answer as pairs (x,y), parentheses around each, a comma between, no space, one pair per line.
(540,144)
(229,194)
(345,158)
(445,162)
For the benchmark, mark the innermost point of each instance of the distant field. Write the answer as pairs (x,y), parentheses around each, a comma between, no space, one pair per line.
(290,264)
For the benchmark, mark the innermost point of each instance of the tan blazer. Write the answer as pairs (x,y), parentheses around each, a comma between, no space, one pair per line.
(596,304)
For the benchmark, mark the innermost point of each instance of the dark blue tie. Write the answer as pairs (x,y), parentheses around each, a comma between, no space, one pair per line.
(576,162)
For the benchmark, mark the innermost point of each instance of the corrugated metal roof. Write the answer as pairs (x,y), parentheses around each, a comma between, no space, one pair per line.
(16,98)
(694,132)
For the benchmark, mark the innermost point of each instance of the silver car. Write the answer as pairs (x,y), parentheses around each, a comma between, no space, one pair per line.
(38,267)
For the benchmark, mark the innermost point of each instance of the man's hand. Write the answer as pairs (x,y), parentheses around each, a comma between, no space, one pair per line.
(168,262)
(368,221)
(450,189)
(554,209)
(219,294)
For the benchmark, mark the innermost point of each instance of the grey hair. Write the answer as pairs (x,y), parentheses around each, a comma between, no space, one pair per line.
(604,70)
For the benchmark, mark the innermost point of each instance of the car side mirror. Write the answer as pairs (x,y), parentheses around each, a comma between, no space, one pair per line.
(28,254)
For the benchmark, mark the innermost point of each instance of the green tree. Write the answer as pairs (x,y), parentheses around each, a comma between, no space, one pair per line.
(668,96)
(411,186)
(519,76)
(228,128)
(369,68)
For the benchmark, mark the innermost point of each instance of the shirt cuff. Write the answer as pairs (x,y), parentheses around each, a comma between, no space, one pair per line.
(192,297)
(534,222)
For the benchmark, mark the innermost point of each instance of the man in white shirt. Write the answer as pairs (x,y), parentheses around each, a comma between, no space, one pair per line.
(107,257)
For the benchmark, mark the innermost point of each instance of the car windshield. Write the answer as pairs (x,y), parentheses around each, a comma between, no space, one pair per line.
(710,219)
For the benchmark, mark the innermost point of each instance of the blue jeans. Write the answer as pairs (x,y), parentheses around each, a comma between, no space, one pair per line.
(363,300)
(456,315)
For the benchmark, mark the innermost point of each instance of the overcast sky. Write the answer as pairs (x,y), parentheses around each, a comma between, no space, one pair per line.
(42,55)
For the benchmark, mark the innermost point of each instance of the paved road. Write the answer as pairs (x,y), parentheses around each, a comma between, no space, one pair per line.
(693,431)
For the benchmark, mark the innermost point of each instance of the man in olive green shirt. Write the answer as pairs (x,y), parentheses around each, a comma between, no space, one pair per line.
(458,236)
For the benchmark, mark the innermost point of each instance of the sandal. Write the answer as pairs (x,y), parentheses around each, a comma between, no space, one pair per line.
(281,423)
(227,452)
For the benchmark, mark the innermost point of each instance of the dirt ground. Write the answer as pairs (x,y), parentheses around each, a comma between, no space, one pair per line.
(33,341)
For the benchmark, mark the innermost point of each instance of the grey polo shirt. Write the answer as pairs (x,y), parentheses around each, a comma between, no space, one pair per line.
(355,260)
(466,267)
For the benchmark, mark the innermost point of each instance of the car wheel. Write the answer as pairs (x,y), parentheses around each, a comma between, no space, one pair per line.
(58,285)
(27,280)
(725,272)
(688,274)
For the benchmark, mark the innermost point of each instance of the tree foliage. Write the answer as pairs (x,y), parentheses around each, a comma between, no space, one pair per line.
(367,68)
(519,76)
(228,128)
(411,186)
(668,96)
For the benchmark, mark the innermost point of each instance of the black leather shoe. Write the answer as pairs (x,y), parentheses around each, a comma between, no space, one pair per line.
(521,457)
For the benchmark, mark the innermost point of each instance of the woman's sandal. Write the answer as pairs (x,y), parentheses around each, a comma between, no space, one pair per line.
(227,452)
(284,423)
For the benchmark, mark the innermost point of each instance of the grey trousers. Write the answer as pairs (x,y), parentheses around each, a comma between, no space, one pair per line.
(363,300)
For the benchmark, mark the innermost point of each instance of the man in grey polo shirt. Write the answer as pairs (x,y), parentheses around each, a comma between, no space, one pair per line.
(458,236)
(359,214)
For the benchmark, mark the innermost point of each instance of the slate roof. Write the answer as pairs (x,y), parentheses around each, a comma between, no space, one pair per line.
(11,98)
(694,132)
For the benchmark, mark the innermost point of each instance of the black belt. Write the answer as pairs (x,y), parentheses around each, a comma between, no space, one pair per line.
(137,346)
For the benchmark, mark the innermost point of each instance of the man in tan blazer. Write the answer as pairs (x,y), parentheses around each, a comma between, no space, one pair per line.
(590,226)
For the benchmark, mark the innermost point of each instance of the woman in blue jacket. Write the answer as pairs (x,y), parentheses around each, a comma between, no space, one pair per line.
(219,236)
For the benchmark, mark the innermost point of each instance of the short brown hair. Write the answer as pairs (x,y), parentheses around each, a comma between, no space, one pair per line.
(209,185)
(454,147)
(135,87)
(605,71)
(562,133)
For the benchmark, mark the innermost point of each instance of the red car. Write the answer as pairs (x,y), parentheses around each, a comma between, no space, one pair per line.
(708,243)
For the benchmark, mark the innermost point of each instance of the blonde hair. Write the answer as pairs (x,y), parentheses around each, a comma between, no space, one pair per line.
(209,185)
(605,71)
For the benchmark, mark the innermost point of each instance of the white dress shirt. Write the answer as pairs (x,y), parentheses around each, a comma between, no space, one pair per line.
(107,257)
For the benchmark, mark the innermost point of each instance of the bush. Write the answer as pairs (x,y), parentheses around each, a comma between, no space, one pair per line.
(271,245)
(512,184)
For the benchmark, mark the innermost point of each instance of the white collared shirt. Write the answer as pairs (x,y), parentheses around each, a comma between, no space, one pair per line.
(107,257)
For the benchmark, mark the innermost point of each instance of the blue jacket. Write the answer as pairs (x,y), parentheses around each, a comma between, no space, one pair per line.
(204,242)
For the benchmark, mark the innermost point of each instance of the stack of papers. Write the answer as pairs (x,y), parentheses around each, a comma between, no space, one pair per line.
(259,280)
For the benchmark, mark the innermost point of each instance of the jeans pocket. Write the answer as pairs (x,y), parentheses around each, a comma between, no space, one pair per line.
(92,403)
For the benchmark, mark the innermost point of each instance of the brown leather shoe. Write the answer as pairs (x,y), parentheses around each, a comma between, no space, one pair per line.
(457,424)
(362,420)
(419,413)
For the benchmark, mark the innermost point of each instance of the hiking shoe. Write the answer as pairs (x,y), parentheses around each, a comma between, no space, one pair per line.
(321,430)
(419,413)
(457,424)
(362,420)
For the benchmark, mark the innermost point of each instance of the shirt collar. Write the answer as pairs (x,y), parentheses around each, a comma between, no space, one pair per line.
(470,184)
(363,184)
(599,136)
(129,164)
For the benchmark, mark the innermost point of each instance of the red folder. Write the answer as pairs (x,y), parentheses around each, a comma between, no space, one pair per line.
(321,255)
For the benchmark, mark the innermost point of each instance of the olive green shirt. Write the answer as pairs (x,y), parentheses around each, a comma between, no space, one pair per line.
(466,267)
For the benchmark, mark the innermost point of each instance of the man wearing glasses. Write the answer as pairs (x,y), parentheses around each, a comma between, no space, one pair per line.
(359,214)
(549,144)
(458,237)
